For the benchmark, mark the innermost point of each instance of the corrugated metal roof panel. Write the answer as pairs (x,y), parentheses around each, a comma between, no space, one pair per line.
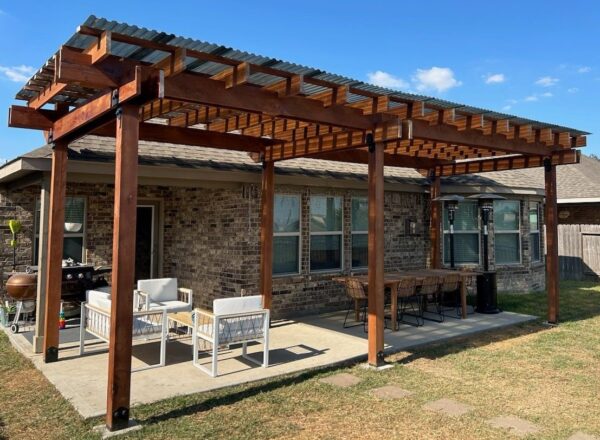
(149,55)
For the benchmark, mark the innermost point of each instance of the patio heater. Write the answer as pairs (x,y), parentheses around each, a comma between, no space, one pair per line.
(487,290)
(451,202)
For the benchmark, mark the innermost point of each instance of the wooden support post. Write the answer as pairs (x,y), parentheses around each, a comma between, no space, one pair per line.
(123,268)
(551,219)
(56,229)
(376,253)
(42,261)
(267,201)
(435,223)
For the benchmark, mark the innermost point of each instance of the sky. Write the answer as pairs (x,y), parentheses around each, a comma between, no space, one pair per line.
(535,59)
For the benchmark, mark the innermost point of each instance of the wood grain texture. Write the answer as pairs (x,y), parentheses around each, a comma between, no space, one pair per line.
(266,233)
(123,268)
(552,267)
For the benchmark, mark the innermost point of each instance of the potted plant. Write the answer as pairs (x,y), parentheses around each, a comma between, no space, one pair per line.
(15,228)
(6,308)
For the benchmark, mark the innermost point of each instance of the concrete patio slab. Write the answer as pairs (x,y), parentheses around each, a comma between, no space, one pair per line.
(342,380)
(295,346)
(515,425)
(448,407)
(390,392)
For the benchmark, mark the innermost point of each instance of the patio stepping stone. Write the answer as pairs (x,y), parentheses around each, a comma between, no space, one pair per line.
(514,425)
(342,380)
(448,407)
(390,392)
(583,436)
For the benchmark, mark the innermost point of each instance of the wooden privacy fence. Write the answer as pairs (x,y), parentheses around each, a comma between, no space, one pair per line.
(579,251)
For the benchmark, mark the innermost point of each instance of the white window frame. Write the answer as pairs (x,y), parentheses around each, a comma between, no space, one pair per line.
(291,234)
(353,232)
(317,233)
(469,232)
(534,232)
(82,234)
(511,231)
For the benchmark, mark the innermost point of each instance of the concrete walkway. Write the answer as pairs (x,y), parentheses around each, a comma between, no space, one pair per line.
(309,343)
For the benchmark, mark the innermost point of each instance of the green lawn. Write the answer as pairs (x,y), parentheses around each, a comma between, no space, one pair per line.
(547,375)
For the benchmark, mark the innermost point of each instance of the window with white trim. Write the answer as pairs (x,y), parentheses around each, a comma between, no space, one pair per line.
(534,232)
(74,232)
(360,232)
(286,234)
(466,234)
(507,231)
(326,233)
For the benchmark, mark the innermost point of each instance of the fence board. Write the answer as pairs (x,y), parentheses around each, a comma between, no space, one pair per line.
(579,251)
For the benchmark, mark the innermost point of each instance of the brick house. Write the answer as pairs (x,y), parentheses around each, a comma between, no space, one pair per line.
(199,217)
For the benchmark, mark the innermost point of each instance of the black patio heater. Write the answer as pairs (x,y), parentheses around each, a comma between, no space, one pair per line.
(451,202)
(487,288)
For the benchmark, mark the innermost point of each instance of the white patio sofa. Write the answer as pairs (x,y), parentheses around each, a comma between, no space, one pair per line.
(233,320)
(148,325)
(162,293)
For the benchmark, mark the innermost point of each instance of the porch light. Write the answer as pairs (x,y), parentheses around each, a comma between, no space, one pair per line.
(451,202)
(487,291)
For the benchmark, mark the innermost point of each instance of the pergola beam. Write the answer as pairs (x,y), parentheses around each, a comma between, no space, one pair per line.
(393,160)
(505,163)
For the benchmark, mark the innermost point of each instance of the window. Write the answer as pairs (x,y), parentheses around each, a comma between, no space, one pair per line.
(466,234)
(360,232)
(507,231)
(286,234)
(534,232)
(73,244)
(325,233)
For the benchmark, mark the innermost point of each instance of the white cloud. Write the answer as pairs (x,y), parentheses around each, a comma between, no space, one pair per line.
(507,107)
(495,78)
(17,73)
(384,79)
(439,79)
(531,98)
(584,69)
(547,81)
(547,95)
(573,90)
(512,101)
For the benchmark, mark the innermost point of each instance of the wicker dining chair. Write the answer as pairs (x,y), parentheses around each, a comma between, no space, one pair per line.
(450,286)
(408,299)
(430,294)
(358,302)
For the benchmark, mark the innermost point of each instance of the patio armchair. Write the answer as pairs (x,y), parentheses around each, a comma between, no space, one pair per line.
(148,325)
(162,293)
(232,321)
(358,302)
(408,298)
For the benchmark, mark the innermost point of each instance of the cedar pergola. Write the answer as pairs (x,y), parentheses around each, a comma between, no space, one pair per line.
(117,80)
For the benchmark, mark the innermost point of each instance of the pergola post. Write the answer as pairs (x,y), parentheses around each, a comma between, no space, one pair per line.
(42,247)
(551,219)
(123,268)
(56,229)
(376,253)
(267,201)
(435,223)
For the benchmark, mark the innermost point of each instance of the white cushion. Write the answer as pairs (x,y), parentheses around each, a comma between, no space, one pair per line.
(229,306)
(171,306)
(105,289)
(159,289)
(98,299)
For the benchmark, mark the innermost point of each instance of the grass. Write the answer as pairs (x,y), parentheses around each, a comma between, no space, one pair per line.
(547,375)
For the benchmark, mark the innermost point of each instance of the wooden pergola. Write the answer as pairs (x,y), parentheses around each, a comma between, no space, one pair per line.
(132,84)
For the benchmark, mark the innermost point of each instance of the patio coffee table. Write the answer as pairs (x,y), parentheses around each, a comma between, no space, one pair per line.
(181,319)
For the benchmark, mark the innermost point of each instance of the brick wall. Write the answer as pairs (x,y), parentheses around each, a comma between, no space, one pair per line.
(211,240)
(17,205)
(579,214)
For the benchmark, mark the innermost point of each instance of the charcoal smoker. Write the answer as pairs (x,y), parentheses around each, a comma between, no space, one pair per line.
(487,288)
(76,280)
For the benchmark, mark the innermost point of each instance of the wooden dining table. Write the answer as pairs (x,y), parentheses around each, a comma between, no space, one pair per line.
(392,279)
